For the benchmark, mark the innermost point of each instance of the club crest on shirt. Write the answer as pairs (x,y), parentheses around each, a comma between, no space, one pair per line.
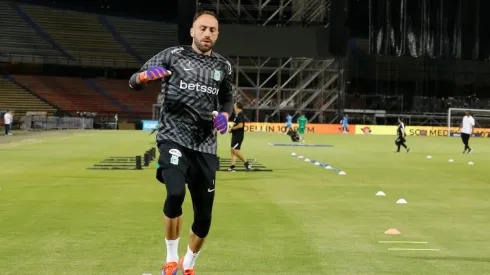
(217,75)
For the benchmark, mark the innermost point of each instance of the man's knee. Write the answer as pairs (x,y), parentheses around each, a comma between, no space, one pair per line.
(175,182)
(201,226)
(203,210)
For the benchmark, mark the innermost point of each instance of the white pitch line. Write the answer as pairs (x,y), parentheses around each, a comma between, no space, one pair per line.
(413,249)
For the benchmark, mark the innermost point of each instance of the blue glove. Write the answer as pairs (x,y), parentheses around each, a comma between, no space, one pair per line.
(220,123)
(154,73)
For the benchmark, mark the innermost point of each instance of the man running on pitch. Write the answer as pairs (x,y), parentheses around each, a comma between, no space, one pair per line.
(196,81)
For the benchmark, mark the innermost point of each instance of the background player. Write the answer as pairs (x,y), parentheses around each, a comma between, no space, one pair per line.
(302,120)
(466,127)
(400,141)
(345,124)
(200,82)
(237,135)
(289,123)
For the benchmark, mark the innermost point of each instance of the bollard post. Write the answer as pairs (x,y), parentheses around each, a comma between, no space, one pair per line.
(138,163)
(147,159)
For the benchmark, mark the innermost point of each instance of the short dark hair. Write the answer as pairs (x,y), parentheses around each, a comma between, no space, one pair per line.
(239,105)
(200,13)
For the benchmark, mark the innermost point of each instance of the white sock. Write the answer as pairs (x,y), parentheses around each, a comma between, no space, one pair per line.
(190,259)
(172,250)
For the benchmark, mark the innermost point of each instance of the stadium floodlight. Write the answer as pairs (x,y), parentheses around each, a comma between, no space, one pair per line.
(455,116)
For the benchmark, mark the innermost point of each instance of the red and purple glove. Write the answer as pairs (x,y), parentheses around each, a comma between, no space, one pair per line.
(220,122)
(154,73)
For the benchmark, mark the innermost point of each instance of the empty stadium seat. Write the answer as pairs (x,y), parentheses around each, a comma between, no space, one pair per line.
(140,102)
(69,94)
(14,97)
(146,38)
(17,37)
(79,34)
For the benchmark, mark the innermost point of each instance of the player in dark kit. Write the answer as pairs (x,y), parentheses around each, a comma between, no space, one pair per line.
(196,82)
(400,141)
(237,135)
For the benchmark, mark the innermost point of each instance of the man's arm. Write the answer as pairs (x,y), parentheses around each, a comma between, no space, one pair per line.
(162,59)
(240,124)
(227,92)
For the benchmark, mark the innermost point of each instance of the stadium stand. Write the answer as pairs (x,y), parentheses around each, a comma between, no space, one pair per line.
(17,37)
(14,97)
(69,94)
(140,102)
(146,39)
(81,35)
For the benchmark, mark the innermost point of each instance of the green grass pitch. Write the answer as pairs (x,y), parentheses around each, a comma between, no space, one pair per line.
(57,217)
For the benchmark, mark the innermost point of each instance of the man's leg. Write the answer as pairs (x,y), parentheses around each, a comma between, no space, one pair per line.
(398,144)
(172,165)
(233,157)
(403,140)
(172,211)
(465,142)
(202,189)
(6,126)
(468,143)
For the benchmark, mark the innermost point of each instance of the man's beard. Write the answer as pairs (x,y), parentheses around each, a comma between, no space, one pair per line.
(202,48)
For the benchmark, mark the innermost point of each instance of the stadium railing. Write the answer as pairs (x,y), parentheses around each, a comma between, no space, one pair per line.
(55,123)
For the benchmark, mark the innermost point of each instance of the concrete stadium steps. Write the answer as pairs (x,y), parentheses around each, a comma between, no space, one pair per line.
(140,102)
(14,97)
(146,37)
(79,34)
(17,37)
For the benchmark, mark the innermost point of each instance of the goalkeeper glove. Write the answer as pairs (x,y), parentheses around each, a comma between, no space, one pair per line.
(154,73)
(220,123)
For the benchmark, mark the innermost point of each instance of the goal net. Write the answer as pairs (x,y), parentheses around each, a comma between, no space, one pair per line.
(481,116)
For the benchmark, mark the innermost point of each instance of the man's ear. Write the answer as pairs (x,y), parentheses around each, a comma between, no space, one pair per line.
(192,32)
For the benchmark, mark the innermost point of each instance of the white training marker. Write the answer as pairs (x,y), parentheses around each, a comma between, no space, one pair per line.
(342,173)
(328,167)
(401,201)
(429,157)
(451,160)
(317,163)
(293,154)
(307,159)
(380,194)
(470,163)
(300,157)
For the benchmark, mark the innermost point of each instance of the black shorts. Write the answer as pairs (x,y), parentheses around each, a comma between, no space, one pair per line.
(400,139)
(195,168)
(465,137)
(236,142)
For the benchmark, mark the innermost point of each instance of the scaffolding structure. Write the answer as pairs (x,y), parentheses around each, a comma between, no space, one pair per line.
(269,12)
(273,86)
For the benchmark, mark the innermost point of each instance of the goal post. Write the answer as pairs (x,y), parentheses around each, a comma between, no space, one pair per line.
(455,117)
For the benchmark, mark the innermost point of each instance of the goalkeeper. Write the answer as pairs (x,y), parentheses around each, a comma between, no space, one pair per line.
(196,83)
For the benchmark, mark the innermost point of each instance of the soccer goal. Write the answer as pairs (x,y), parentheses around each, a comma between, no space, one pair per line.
(455,117)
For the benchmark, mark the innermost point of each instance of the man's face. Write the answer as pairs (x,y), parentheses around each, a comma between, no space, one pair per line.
(235,108)
(205,32)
